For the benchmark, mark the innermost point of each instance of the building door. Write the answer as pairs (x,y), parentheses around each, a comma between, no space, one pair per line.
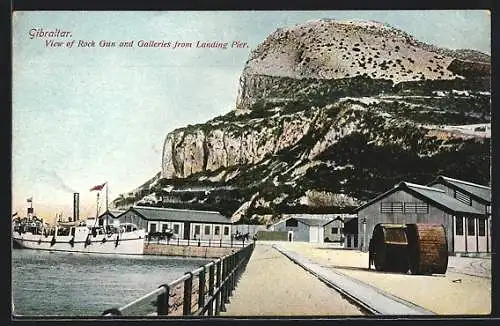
(176,228)
(196,231)
(313,234)
(470,231)
(481,235)
(458,234)
(186,230)
(152,227)
(290,236)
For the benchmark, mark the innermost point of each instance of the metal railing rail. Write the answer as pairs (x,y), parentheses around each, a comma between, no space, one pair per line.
(208,297)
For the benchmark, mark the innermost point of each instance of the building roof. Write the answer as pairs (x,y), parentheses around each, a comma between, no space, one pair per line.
(313,221)
(184,215)
(327,216)
(307,220)
(112,213)
(479,192)
(433,196)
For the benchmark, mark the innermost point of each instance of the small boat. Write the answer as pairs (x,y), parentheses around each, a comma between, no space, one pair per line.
(93,235)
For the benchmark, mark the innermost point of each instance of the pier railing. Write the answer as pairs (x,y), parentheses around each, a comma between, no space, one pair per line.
(202,292)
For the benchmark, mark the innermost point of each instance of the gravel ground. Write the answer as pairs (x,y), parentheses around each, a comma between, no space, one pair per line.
(272,285)
(465,289)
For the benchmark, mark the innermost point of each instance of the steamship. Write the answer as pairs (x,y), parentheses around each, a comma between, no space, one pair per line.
(94,235)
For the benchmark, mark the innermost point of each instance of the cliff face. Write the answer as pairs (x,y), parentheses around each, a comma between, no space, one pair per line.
(314,100)
(214,146)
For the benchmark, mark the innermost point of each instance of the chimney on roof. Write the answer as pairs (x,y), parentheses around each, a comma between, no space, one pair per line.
(76,206)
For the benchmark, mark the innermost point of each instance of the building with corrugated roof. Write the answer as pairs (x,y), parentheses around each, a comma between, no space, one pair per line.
(185,224)
(413,203)
(471,234)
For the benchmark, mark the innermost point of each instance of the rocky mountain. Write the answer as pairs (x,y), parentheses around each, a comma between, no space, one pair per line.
(328,114)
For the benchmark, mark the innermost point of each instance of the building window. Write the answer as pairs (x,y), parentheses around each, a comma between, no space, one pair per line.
(164,227)
(152,227)
(176,228)
(335,230)
(391,207)
(291,222)
(216,230)
(482,227)
(197,229)
(459,225)
(226,230)
(470,226)
(207,229)
(416,207)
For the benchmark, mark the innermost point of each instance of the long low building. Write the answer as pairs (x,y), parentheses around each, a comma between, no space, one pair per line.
(466,221)
(185,224)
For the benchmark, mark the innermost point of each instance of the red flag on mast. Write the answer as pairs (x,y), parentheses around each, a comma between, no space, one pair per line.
(98,187)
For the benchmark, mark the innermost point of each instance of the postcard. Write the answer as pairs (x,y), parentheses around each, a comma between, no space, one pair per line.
(251,163)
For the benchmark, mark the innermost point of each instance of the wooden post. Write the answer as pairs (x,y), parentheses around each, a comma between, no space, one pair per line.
(201,289)
(162,302)
(188,289)
(217,284)
(211,278)
(224,287)
(233,271)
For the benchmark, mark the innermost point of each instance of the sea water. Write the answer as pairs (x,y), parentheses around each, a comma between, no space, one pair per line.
(48,283)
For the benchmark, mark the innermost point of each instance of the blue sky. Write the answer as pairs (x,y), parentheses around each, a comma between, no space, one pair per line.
(83,116)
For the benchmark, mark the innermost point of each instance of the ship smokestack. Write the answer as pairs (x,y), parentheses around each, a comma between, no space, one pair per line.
(76,206)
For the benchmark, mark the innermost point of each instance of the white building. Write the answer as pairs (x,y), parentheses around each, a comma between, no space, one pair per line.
(302,229)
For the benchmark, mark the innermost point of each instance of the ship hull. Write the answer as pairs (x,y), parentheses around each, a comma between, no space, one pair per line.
(127,244)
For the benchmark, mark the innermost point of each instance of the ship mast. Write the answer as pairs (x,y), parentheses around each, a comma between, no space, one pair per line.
(107,208)
(107,197)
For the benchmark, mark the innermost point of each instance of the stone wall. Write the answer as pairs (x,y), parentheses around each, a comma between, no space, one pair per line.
(187,251)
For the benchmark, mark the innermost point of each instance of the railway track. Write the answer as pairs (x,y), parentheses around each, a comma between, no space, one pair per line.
(369,298)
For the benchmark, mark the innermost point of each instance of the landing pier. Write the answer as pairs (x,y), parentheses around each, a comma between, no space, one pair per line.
(279,278)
